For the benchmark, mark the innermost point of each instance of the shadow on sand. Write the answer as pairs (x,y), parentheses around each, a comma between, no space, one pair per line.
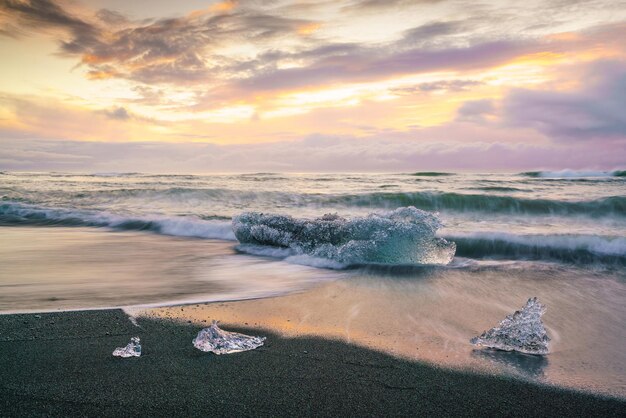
(60,364)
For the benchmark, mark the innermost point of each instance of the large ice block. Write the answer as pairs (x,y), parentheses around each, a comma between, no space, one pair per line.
(522,331)
(218,341)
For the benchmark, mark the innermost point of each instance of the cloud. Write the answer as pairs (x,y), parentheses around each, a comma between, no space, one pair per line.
(315,153)
(475,110)
(21,16)
(378,5)
(596,110)
(425,34)
(171,50)
(117,113)
(43,12)
(34,117)
(111,17)
(365,64)
(283,51)
(437,86)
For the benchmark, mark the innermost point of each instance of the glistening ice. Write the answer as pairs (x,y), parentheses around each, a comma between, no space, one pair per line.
(132,349)
(523,331)
(218,341)
(403,236)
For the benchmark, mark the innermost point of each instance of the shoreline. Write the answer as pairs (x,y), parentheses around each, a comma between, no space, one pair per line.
(61,364)
(393,319)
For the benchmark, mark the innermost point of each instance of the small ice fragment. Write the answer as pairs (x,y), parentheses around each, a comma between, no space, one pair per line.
(523,331)
(133,349)
(219,341)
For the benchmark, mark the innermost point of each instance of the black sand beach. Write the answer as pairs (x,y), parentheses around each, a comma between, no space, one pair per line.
(60,364)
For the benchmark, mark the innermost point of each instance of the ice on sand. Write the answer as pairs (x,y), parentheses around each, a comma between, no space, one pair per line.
(522,331)
(133,349)
(218,341)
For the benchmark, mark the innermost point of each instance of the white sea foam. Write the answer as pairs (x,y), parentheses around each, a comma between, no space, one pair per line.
(184,226)
(592,243)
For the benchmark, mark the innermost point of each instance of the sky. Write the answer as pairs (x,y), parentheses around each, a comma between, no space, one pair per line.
(312,85)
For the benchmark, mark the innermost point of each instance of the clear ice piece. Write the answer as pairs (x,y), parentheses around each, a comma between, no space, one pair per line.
(133,349)
(523,331)
(219,341)
(403,236)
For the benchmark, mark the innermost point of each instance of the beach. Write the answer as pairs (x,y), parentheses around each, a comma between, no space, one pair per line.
(368,288)
(276,208)
(60,364)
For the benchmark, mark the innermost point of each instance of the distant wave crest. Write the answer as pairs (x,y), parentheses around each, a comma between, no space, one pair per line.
(388,200)
(614,205)
(403,236)
(573,174)
(431,174)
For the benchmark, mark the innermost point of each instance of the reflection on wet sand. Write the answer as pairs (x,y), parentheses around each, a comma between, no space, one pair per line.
(526,365)
(432,315)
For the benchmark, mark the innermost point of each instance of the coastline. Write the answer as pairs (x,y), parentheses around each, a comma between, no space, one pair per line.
(61,364)
(422,320)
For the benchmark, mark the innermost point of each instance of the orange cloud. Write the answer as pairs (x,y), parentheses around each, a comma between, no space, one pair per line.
(224,6)
(221,7)
(538,58)
(308,28)
(564,36)
(93,59)
(101,75)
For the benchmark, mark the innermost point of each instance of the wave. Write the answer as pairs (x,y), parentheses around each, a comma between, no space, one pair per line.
(499,189)
(431,174)
(572,174)
(438,201)
(147,195)
(430,201)
(403,236)
(112,174)
(16,214)
(577,249)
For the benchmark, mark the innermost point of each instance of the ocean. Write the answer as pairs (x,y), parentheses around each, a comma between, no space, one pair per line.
(455,251)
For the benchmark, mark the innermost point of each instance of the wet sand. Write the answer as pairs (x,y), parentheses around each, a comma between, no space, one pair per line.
(424,314)
(48,269)
(433,316)
(60,364)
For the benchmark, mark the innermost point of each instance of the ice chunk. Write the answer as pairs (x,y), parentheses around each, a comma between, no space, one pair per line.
(523,331)
(403,236)
(133,349)
(219,341)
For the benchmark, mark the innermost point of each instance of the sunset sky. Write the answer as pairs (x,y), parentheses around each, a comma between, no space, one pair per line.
(312,85)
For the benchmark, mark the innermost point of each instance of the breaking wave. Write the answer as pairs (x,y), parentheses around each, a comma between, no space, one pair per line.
(499,189)
(403,236)
(431,174)
(15,214)
(577,249)
(614,205)
(389,200)
(572,174)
